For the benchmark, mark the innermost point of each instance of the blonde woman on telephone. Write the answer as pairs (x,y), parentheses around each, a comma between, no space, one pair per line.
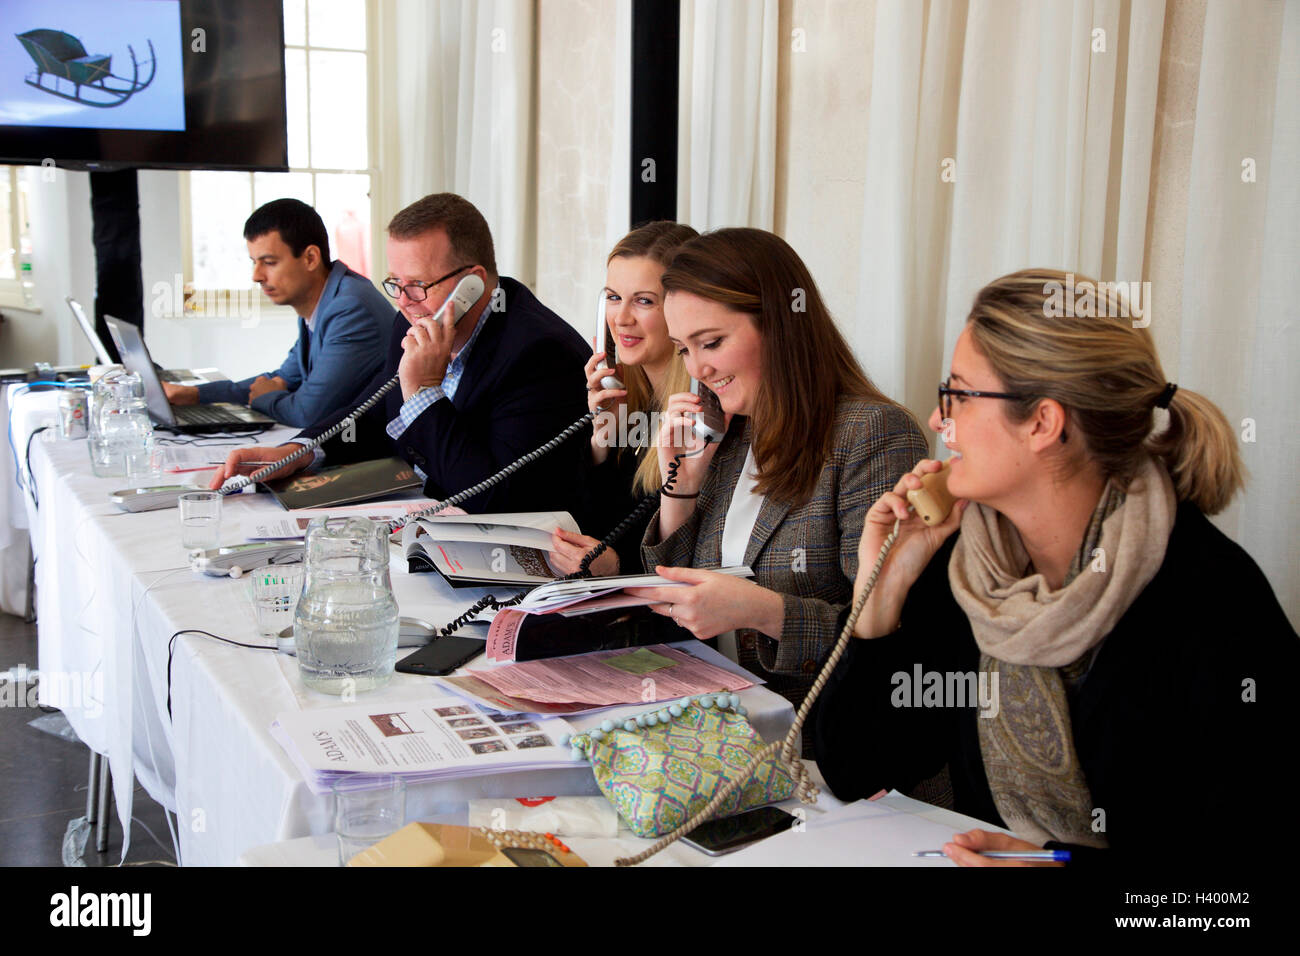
(1131,663)
(623,466)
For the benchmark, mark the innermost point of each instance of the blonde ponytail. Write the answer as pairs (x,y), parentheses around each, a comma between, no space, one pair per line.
(1105,372)
(1199,448)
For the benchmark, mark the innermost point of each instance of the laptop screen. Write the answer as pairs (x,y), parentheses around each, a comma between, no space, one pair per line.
(88,327)
(135,356)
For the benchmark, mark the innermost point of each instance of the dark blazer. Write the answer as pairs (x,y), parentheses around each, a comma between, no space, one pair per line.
(609,489)
(1182,726)
(520,387)
(808,553)
(330,365)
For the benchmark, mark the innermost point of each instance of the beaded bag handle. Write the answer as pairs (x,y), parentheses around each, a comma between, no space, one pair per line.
(806,790)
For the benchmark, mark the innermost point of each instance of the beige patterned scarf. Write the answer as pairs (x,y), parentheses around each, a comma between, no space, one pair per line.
(1035,643)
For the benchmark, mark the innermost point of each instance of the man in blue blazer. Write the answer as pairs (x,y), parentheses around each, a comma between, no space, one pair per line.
(472,397)
(343,322)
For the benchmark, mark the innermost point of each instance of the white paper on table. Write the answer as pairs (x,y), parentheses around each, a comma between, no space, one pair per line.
(292,525)
(435,734)
(884,832)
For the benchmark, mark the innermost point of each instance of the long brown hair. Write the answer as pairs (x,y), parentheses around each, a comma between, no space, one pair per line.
(1106,374)
(657,241)
(807,366)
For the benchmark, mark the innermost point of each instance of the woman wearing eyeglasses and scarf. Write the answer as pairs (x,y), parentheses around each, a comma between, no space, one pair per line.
(1136,665)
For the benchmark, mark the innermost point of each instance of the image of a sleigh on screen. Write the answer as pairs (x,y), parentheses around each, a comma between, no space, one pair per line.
(61,57)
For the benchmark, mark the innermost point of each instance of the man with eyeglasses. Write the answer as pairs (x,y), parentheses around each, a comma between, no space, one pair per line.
(472,397)
(343,322)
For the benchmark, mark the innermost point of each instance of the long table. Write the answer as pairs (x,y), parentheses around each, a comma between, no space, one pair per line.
(112,589)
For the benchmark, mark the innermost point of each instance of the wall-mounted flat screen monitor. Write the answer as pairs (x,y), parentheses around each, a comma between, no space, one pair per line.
(102,84)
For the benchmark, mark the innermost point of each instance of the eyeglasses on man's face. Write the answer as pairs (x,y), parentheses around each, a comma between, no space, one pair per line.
(417,291)
(946,392)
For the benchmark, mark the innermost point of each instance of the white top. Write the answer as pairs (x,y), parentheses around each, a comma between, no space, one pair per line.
(737,529)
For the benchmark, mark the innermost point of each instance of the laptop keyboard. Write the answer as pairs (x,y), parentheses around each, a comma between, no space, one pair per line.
(208,415)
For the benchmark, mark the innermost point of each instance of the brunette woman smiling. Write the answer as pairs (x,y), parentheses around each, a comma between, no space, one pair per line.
(809,444)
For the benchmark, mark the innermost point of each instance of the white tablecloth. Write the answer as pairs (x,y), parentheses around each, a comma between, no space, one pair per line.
(24,411)
(110,596)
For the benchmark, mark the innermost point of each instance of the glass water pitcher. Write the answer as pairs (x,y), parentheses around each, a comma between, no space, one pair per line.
(345,626)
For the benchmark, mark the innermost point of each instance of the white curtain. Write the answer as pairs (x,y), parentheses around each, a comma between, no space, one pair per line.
(727,118)
(457,114)
(1007,135)
(1000,136)
(1239,341)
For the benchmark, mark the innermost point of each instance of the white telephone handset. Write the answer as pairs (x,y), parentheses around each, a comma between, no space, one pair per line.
(467,292)
(603,336)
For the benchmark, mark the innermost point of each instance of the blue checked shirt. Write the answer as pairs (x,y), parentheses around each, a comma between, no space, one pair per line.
(414,406)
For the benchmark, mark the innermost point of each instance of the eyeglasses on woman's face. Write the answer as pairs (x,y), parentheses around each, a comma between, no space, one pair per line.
(946,392)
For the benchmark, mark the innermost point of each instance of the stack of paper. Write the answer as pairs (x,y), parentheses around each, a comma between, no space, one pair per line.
(421,741)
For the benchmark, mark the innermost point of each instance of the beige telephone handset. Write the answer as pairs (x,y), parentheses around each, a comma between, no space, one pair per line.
(932,501)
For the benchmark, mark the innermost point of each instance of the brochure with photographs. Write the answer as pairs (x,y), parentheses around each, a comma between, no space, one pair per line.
(472,550)
(344,484)
(420,740)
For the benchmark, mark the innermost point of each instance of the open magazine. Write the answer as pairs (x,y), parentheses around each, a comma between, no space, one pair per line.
(471,550)
(419,740)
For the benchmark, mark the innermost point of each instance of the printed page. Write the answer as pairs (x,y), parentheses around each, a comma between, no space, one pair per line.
(418,737)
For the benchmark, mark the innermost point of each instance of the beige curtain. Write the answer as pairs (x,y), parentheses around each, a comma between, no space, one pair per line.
(727,119)
(458,114)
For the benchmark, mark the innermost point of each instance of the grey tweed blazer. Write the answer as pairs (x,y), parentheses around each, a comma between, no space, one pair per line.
(808,553)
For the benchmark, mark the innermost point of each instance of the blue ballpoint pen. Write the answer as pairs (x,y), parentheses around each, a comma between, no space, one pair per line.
(1032,856)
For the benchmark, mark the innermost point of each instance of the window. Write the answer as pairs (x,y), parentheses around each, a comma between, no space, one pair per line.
(328,102)
(16,288)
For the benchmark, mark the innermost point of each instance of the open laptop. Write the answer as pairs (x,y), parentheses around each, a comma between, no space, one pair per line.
(218,417)
(173,375)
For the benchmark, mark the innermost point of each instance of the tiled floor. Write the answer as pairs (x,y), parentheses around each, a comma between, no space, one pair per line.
(43,781)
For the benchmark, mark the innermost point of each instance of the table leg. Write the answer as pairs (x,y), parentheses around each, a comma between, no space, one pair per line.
(92,788)
(101,824)
(30,614)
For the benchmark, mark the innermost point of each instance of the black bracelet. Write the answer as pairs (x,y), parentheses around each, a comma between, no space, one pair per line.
(669,494)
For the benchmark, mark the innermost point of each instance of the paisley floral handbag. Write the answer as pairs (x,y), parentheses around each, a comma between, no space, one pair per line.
(662,767)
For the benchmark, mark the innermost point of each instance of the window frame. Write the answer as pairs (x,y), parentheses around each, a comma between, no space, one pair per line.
(20,291)
(228,296)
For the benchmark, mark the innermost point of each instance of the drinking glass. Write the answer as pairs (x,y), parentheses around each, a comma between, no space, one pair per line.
(200,519)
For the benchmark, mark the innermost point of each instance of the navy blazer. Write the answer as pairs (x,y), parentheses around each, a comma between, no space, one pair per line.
(329,366)
(520,387)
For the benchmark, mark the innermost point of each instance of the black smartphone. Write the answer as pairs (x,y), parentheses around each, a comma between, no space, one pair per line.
(716,837)
(710,423)
(441,656)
